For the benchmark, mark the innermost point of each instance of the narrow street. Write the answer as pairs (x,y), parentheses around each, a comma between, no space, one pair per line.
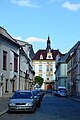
(52,108)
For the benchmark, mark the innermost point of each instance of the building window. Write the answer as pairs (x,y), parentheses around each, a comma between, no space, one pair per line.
(4,60)
(47,78)
(10,66)
(40,67)
(47,68)
(6,86)
(41,56)
(51,69)
(15,62)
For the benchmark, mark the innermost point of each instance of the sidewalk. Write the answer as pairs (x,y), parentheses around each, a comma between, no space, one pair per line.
(77,98)
(4,103)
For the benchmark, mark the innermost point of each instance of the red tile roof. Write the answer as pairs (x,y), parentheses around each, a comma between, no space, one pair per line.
(44,53)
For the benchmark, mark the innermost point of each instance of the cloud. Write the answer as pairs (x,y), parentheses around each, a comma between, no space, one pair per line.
(18,38)
(31,39)
(71,6)
(24,3)
(51,1)
(35,39)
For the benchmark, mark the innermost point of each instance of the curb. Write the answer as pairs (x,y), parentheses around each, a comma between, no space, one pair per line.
(3,112)
(78,100)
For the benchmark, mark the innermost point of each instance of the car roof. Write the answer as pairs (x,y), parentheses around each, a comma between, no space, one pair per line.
(23,91)
(61,87)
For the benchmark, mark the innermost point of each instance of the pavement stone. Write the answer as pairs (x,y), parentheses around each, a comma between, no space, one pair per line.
(3,105)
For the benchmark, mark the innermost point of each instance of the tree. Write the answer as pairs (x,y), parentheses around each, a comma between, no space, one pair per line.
(39,80)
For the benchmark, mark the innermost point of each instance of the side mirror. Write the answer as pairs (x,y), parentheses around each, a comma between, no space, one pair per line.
(34,97)
(10,97)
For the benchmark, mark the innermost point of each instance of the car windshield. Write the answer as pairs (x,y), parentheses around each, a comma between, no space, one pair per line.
(37,91)
(22,95)
(34,93)
(63,91)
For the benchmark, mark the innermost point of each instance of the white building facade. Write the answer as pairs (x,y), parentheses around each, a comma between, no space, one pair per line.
(9,63)
(15,64)
(26,68)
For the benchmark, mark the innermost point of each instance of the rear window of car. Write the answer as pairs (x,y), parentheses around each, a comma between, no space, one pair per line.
(34,93)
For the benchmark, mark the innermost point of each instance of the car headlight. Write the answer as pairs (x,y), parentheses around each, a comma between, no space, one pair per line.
(11,104)
(29,104)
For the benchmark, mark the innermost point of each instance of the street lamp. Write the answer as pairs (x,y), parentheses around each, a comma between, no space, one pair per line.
(1,81)
(2,75)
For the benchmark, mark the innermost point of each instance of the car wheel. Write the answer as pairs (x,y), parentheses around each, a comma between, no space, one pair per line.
(39,104)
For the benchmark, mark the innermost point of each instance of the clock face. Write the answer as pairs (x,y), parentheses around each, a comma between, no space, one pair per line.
(49,56)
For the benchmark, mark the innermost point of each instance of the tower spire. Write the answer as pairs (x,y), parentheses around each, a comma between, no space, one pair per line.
(48,43)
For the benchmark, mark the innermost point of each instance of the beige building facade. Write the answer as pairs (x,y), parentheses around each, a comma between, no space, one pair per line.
(44,62)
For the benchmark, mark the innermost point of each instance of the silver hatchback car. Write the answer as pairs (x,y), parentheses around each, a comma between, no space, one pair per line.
(22,101)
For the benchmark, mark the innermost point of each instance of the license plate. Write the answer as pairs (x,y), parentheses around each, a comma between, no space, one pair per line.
(19,107)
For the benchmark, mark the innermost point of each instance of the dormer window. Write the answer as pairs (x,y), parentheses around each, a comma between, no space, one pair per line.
(41,56)
(49,55)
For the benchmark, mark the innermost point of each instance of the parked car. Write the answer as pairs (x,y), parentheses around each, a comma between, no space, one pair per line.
(40,93)
(62,93)
(37,98)
(22,101)
(61,88)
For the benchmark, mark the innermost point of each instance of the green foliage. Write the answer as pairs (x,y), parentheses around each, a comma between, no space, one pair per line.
(39,80)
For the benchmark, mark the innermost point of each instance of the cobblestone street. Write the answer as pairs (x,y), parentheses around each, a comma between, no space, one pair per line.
(51,108)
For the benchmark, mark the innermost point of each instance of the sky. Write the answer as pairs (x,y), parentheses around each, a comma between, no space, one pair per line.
(33,20)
